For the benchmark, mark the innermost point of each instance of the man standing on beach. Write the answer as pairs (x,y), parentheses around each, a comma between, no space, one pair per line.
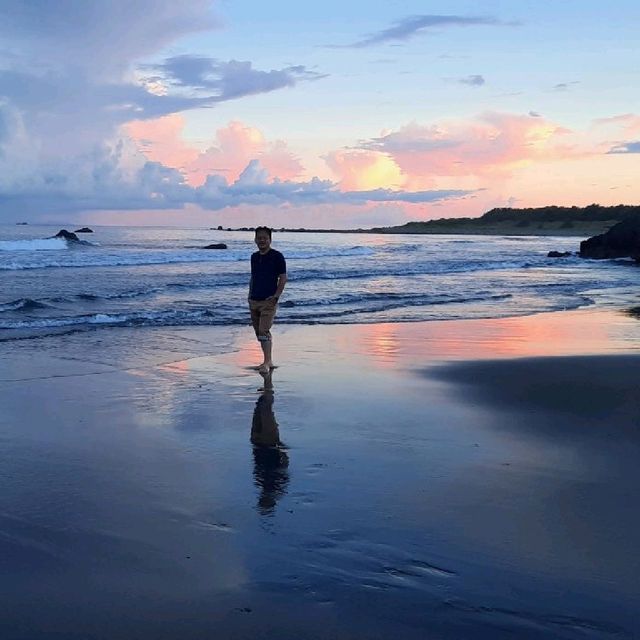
(268,277)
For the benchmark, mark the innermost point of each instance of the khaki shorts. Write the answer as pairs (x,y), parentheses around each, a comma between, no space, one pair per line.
(263,312)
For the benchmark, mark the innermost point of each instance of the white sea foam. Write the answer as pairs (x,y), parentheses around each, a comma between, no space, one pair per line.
(330,252)
(34,244)
(166,317)
(108,258)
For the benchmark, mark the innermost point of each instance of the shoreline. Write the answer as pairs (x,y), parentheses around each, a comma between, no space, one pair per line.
(452,231)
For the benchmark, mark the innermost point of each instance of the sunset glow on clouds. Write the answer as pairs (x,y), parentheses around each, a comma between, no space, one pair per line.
(231,150)
(183,112)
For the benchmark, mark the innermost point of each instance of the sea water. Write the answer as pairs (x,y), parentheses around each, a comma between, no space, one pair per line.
(125,276)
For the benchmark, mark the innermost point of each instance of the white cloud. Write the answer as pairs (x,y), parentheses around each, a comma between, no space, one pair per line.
(100,183)
(69,81)
(100,37)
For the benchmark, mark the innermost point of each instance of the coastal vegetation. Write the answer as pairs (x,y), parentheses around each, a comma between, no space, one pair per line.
(541,221)
(551,220)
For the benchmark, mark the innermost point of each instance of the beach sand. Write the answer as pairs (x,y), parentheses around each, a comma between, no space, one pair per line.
(460,479)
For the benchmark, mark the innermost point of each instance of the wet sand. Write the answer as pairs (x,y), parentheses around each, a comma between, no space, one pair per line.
(465,479)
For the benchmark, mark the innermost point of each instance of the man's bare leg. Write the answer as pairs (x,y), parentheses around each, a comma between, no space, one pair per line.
(267,364)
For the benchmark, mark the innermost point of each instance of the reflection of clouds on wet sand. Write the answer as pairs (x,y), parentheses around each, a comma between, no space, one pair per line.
(540,335)
(271,461)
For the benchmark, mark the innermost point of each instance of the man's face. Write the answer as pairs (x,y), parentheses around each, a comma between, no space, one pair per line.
(263,241)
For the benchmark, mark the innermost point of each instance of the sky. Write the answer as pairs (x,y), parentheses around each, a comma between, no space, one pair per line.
(316,115)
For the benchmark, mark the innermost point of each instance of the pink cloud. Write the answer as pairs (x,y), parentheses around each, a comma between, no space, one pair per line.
(492,144)
(617,134)
(628,124)
(364,169)
(501,159)
(160,141)
(233,148)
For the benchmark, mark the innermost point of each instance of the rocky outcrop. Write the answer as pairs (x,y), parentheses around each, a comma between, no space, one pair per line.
(84,230)
(67,235)
(220,245)
(558,254)
(621,241)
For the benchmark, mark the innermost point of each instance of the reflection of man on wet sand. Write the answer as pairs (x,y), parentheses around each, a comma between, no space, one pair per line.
(270,458)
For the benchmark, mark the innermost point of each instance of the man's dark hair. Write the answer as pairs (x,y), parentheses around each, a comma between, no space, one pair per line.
(265,229)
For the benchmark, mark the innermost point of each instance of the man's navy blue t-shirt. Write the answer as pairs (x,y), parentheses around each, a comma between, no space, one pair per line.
(265,269)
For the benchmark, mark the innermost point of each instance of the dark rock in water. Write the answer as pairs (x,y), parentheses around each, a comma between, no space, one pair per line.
(67,235)
(558,254)
(621,241)
(84,230)
(22,224)
(288,303)
(220,245)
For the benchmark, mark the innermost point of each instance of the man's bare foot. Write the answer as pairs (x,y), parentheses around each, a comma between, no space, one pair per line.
(265,367)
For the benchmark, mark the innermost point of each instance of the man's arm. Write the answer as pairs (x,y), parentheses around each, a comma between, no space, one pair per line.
(282,280)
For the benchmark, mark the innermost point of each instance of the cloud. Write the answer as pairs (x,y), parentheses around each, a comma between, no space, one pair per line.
(364,169)
(70,78)
(160,140)
(93,35)
(564,86)
(252,187)
(232,148)
(222,81)
(69,71)
(419,25)
(627,123)
(490,144)
(118,178)
(618,134)
(473,80)
(626,147)
(107,178)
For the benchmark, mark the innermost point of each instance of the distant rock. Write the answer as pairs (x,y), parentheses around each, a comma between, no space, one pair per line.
(288,304)
(558,254)
(84,230)
(621,241)
(22,224)
(67,235)
(220,245)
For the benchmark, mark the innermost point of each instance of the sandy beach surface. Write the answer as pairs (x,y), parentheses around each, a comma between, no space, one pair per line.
(455,479)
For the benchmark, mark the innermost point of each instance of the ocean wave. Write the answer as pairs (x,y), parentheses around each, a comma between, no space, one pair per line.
(392,299)
(135,318)
(34,244)
(229,280)
(330,252)
(403,248)
(322,309)
(22,304)
(107,259)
